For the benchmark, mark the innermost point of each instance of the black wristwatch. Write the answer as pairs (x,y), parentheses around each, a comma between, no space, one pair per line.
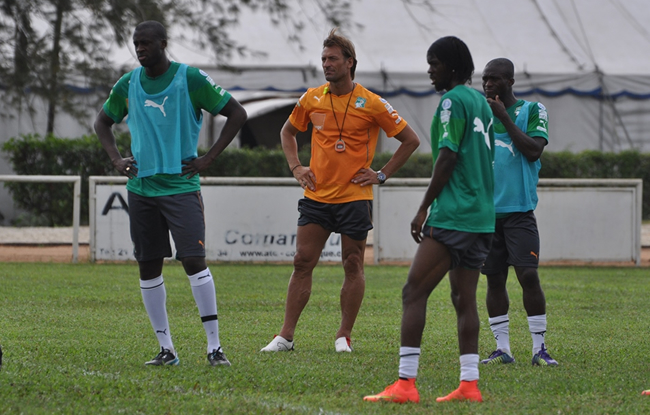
(381,177)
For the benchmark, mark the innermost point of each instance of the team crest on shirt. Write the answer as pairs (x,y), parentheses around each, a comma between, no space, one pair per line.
(360,102)
(208,77)
(446,104)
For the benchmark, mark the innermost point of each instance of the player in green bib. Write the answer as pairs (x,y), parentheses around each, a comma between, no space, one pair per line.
(458,217)
(164,101)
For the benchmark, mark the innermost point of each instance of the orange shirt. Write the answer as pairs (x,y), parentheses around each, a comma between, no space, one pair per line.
(366,114)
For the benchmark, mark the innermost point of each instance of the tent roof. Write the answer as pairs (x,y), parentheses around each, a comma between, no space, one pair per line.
(539,36)
(566,43)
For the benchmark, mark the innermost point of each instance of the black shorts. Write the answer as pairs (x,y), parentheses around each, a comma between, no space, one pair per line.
(152,218)
(353,219)
(516,243)
(467,249)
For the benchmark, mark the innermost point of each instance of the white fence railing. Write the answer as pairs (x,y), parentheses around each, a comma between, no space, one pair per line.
(76,204)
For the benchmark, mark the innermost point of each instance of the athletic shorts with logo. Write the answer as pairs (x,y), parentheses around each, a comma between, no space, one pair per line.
(516,243)
(353,219)
(152,218)
(466,249)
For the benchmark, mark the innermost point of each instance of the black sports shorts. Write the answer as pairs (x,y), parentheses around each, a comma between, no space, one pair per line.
(152,218)
(467,249)
(516,243)
(353,219)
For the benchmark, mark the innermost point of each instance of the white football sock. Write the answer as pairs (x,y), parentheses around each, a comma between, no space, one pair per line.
(206,300)
(154,297)
(500,326)
(469,367)
(537,327)
(409,360)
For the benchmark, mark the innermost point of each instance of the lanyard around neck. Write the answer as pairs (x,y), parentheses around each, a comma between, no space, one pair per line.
(340,144)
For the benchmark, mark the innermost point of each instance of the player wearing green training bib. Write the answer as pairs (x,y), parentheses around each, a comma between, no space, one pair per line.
(164,102)
(203,94)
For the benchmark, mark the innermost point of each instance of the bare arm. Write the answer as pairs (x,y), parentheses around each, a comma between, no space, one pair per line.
(235,118)
(302,174)
(103,128)
(530,147)
(442,171)
(409,143)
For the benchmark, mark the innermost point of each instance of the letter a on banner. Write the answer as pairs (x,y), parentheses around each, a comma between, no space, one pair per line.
(109,204)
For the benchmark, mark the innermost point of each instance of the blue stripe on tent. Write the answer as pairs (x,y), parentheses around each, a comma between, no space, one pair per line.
(595,93)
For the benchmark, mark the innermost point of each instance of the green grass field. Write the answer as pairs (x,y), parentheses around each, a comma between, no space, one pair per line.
(75,338)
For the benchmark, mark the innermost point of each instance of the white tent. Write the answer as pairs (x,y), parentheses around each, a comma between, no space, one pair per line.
(586,60)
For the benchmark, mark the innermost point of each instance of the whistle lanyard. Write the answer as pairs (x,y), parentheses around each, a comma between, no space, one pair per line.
(340,144)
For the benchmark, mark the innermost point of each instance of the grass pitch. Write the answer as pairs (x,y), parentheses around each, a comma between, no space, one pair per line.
(76,336)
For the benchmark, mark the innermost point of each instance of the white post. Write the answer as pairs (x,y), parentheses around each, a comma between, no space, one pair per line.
(76,210)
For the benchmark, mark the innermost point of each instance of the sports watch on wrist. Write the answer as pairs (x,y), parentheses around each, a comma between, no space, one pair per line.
(381,177)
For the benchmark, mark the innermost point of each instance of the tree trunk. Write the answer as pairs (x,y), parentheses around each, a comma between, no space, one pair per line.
(53,88)
(21,71)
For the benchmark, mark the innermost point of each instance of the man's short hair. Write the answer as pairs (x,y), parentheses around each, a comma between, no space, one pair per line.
(505,65)
(156,27)
(454,53)
(346,45)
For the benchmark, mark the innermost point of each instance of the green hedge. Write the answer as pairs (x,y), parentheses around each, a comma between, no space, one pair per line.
(50,204)
(592,164)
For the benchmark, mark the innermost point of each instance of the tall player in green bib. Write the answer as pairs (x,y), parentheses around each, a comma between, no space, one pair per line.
(456,235)
(164,102)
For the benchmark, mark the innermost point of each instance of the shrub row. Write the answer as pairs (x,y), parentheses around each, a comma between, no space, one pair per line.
(50,204)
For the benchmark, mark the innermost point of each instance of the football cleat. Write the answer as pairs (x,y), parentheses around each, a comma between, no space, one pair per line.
(278,344)
(217,358)
(542,358)
(343,344)
(467,391)
(498,356)
(401,391)
(165,358)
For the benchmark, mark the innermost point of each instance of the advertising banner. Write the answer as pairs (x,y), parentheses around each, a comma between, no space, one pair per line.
(243,223)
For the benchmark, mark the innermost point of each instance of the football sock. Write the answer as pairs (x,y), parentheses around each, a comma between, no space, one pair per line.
(537,326)
(501,331)
(409,360)
(206,300)
(154,297)
(469,367)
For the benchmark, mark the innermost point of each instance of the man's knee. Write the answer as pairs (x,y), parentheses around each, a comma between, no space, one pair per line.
(303,262)
(497,281)
(150,269)
(353,264)
(194,265)
(529,279)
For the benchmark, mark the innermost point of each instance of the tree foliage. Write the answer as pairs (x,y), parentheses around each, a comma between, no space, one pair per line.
(50,48)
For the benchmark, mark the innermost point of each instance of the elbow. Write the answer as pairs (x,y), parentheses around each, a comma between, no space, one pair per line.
(534,156)
(243,116)
(416,143)
(412,144)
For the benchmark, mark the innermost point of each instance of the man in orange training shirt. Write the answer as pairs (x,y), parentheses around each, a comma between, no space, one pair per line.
(346,119)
